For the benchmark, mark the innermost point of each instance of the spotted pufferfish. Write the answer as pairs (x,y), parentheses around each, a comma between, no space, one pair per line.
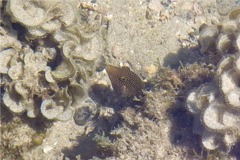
(124,81)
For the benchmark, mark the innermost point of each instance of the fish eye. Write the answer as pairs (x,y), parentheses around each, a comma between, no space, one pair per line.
(122,78)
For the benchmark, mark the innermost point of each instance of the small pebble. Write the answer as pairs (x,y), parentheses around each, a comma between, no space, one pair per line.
(151,70)
(46,149)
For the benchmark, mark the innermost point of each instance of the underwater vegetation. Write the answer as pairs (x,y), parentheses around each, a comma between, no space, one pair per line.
(215,105)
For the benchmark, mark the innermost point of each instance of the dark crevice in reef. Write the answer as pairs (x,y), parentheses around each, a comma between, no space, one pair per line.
(181,133)
(87,145)
(236,150)
(21,31)
(5,115)
(105,96)
(57,60)
(87,148)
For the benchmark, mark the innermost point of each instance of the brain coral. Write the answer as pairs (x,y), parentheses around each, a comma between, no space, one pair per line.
(48,69)
(216,105)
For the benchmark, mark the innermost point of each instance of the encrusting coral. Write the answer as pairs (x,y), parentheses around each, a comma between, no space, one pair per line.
(215,105)
(48,69)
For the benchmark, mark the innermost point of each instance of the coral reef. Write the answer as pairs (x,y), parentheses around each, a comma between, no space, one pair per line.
(215,105)
(48,53)
(52,51)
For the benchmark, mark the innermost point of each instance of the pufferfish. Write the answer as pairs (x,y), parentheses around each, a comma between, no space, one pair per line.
(124,81)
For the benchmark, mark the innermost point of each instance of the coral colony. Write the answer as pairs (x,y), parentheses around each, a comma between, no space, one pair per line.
(215,105)
(47,70)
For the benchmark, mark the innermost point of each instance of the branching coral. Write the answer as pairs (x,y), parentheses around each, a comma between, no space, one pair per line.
(216,104)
